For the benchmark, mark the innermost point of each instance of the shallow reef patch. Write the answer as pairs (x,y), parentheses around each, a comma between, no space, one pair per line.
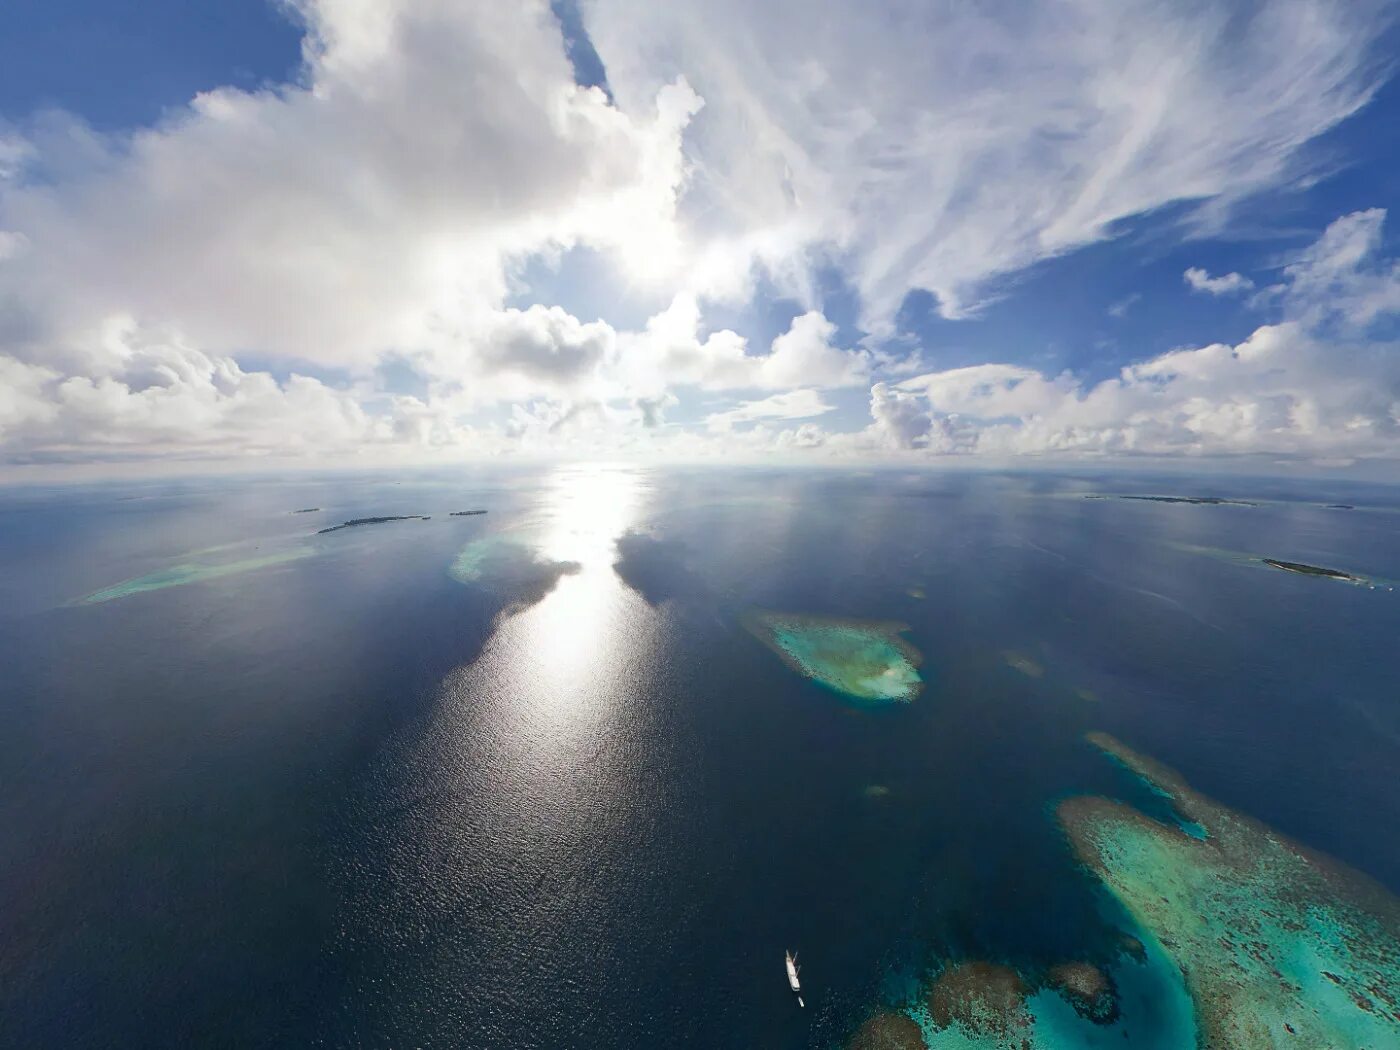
(1023,663)
(982,999)
(191,572)
(864,660)
(888,1030)
(1088,989)
(1279,945)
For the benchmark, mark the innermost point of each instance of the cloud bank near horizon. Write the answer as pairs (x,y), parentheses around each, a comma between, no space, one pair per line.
(342,267)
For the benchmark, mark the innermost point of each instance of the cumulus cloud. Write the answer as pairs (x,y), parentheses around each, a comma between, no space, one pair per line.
(158,392)
(671,352)
(902,421)
(1227,284)
(1303,386)
(542,343)
(375,207)
(241,277)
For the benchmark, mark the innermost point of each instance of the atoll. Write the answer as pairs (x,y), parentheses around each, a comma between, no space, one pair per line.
(1278,945)
(864,660)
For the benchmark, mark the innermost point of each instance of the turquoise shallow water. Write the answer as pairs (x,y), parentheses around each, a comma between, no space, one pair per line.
(527,779)
(193,572)
(865,662)
(1278,945)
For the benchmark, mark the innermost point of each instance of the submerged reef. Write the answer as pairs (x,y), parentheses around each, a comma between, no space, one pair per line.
(1304,569)
(1088,989)
(177,575)
(353,522)
(1136,999)
(982,1000)
(473,560)
(1279,946)
(1023,663)
(864,660)
(888,1030)
(509,567)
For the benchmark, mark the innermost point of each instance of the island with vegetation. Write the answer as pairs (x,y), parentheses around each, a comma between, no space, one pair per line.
(307,510)
(1204,501)
(465,513)
(1303,569)
(354,522)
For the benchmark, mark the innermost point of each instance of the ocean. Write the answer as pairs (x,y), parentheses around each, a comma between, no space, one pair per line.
(532,777)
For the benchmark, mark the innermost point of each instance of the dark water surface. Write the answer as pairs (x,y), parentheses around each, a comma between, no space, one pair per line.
(559,797)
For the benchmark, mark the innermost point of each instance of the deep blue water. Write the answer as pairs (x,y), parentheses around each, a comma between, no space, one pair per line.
(350,800)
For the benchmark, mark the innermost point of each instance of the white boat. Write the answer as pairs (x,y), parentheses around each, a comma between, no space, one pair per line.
(791,959)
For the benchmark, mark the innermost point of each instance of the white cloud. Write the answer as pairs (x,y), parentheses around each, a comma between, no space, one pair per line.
(1120,308)
(1303,386)
(160,393)
(792,404)
(670,352)
(376,208)
(546,344)
(902,421)
(939,145)
(235,279)
(1226,284)
(1342,279)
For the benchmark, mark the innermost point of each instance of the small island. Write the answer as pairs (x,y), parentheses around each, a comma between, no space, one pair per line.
(353,522)
(1312,570)
(1204,501)
(307,510)
(465,513)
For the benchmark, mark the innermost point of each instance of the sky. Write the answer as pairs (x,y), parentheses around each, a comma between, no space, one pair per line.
(338,232)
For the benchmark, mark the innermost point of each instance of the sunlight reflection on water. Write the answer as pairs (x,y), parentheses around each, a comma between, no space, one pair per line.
(562,661)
